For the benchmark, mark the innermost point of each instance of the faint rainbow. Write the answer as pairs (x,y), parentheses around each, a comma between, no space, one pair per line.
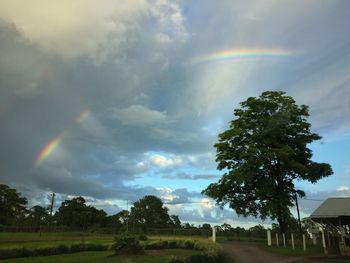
(54,143)
(83,115)
(239,54)
(48,149)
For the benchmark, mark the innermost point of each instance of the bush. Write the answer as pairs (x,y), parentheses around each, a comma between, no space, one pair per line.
(165,244)
(127,244)
(143,237)
(175,259)
(210,252)
(48,251)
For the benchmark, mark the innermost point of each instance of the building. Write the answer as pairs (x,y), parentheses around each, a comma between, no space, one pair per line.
(333,217)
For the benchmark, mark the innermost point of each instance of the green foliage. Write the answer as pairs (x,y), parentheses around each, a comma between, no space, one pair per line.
(177,259)
(142,237)
(263,152)
(75,213)
(47,251)
(210,252)
(12,205)
(149,212)
(175,221)
(37,216)
(127,244)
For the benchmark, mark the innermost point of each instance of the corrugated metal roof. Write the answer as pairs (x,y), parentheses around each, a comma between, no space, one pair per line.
(333,207)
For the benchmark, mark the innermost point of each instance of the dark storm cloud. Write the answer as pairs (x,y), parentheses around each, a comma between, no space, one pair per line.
(42,96)
(130,71)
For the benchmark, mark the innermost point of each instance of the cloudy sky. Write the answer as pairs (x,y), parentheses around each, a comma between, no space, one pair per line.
(117,100)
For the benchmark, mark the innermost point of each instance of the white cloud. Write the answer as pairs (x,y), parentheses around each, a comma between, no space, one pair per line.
(343,189)
(166,194)
(162,161)
(138,115)
(206,203)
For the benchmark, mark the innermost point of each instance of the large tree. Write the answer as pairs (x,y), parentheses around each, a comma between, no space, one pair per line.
(12,205)
(75,213)
(149,212)
(38,216)
(263,153)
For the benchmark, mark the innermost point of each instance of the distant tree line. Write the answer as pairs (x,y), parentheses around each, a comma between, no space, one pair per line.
(148,212)
(74,214)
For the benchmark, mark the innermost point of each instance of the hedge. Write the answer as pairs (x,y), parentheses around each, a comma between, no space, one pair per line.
(210,252)
(48,251)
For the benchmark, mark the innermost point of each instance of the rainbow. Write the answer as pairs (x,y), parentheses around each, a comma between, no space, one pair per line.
(54,143)
(47,150)
(83,115)
(239,54)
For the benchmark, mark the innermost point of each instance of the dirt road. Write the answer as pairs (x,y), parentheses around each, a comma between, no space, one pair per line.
(243,252)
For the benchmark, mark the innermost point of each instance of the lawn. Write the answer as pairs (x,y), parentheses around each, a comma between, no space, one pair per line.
(158,256)
(314,250)
(45,236)
(52,239)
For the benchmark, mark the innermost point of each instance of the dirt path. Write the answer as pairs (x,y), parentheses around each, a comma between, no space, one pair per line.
(243,252)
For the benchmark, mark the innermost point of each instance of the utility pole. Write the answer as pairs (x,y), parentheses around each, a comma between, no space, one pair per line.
(299,222)
(52,202)
(127,220)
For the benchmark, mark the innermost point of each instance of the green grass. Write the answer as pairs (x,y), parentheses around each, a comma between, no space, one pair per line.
(50,239)
(44,234)
(243,239)
(313,250)
(345,260)
(162,256)
(41,244)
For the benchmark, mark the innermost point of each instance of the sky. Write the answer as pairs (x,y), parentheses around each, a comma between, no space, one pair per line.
(123,99)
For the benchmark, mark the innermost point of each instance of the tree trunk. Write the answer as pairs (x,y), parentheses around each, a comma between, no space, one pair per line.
(282,222)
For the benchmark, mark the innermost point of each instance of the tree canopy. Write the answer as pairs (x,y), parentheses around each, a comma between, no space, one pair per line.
(149,212)
(75,213)
(12,205)
(262,154)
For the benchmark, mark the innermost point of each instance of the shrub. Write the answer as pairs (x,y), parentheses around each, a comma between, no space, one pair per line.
(143,237)
(175,259)
(210,252)
(48,251)
(127,244)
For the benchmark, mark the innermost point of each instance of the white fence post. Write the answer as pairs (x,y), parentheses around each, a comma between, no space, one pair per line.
(284,239)
(214,234)
(292,236)
(314,239)
(277,242)
(304,242)
(323,242)
(269,237)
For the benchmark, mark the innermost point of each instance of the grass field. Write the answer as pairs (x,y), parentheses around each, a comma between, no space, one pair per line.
(50,239)
(159,256)
(297,252)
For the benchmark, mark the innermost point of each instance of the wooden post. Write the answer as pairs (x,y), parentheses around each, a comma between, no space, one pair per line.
(269,237)
(314,239)
(214,235)
(284,239)
(292,236)
(277,242)
(304,242)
